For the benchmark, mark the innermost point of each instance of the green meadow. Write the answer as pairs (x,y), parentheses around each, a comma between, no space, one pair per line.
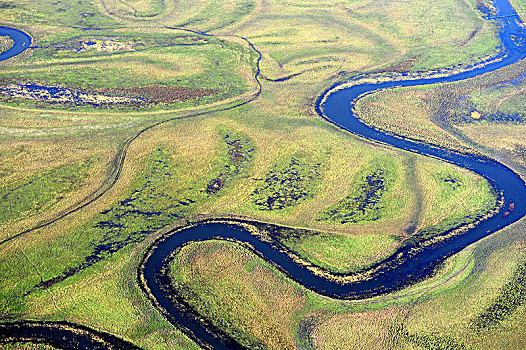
(159,120)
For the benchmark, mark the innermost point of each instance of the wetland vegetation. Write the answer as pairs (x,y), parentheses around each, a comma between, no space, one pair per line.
(126,119)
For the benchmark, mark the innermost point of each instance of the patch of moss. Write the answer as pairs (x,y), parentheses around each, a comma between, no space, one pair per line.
(511,296)
(287,184)
(365,203)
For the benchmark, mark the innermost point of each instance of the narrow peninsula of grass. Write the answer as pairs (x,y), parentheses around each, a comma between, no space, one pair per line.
(239,292)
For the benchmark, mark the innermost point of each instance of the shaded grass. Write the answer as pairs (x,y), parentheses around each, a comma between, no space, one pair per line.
(39,193)
(366,202)
(511,296)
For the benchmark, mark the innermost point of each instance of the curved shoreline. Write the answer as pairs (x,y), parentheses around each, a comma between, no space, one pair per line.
(63,335)
(337,106)
(21,42)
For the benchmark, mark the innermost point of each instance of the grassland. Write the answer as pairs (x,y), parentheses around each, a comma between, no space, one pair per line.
(95,244)
(143,72)
(438,314)
(444,114)
(520,6)
(317,36)
(246,289)
(36,194)
(83,267)
(388,110)
(5,43)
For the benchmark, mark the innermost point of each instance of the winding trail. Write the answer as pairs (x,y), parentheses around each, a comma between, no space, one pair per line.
(117,162)
(409,263)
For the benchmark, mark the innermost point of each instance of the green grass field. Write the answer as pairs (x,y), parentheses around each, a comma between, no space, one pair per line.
(205,144)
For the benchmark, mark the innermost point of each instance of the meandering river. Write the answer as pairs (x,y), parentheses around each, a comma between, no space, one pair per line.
(21,42)
(336,106)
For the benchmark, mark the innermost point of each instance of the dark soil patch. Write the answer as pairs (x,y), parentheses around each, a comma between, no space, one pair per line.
(402,67)
(363,205)
(159,94)
(239,153)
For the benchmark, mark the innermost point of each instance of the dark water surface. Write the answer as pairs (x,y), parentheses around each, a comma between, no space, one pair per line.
(62,335)
(21,42)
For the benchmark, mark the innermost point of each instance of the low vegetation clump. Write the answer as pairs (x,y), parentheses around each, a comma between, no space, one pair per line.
(239,154)
(511,296)
(287,184)
(365,203)
(5,43)
(433,341)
